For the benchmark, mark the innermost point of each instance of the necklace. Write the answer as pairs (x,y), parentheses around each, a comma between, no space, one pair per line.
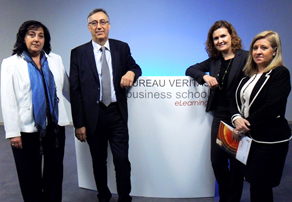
(243,97)
(225,72)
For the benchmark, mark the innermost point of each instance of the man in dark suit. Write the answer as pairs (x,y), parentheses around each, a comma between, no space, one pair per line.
(96,120)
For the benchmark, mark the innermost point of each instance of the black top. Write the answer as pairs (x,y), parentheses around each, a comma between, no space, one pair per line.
(212,65)
(220,98)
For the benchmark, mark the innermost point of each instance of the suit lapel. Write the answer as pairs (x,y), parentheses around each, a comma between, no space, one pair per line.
(234,68)
(91,60)
(259,86)
(256,90)
(237,92)
(114,55)
(214,71)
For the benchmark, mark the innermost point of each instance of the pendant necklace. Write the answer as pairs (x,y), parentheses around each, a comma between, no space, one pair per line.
(225,72)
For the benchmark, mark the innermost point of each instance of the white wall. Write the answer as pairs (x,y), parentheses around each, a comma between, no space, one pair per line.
(165,36)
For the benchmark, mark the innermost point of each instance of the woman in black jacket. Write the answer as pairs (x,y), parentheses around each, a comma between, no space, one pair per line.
(225,64)
(261,99)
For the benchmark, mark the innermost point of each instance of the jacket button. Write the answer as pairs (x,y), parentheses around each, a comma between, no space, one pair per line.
(97,102)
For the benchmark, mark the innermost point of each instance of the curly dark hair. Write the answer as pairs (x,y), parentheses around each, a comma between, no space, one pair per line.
(20,45)
(235,39)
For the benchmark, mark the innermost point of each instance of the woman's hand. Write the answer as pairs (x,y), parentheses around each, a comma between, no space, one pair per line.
(211,81)
(236,135)
(241,128)
(16,142)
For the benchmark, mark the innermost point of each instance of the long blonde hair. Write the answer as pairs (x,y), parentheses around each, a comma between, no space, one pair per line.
(275,41)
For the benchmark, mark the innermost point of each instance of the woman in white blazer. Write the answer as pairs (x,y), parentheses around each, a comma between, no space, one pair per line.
(34,85)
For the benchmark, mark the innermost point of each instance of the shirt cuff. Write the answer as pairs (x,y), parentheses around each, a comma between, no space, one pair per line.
(234,117)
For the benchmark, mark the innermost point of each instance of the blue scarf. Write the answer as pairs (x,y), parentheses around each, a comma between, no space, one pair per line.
(39,89)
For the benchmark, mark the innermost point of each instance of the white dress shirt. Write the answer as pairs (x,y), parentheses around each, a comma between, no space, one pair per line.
(97,55)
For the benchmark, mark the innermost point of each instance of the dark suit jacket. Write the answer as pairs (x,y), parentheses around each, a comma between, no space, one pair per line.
(267,105)
(85,85)
(211,65)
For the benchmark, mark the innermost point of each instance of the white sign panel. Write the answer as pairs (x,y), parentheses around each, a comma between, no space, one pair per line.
(169,141)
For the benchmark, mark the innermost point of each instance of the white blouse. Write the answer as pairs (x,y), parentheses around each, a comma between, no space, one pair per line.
(245,94)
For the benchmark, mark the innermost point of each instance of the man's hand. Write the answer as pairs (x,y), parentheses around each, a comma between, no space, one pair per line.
(16,142)
(128,79)
(80,134)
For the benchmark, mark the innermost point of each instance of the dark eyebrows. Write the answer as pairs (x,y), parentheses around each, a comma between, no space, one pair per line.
(32,31)
(217,37)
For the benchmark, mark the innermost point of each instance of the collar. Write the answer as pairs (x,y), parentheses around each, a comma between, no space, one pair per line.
(96,46)
(43,57)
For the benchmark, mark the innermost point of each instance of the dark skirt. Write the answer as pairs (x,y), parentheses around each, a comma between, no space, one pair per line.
(265,164)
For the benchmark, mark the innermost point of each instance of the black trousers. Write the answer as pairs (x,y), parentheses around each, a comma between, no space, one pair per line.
(226,168)
(40,183)
(264,169)
(261,193)
(111,128)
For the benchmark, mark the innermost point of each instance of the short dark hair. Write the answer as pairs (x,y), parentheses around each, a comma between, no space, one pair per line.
(235,39)
(20,45)
(96,10)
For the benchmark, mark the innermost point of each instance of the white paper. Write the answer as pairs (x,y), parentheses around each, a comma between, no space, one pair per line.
(243,149)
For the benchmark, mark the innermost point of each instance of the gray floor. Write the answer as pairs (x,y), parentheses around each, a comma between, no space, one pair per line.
(10,192)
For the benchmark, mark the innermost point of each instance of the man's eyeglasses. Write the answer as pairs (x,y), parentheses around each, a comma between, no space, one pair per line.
(94,23)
